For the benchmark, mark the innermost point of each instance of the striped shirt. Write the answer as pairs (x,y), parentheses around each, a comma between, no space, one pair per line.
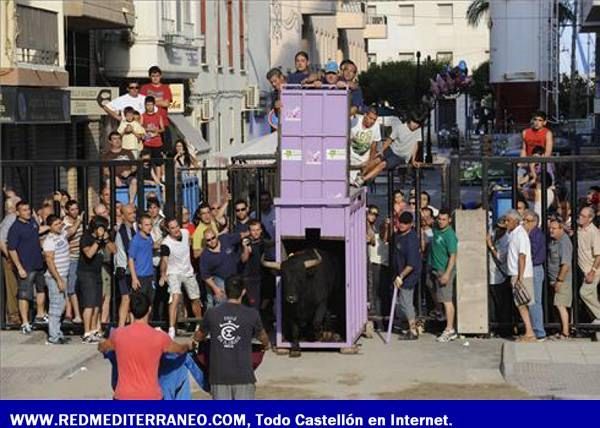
(74,240)
(60,246)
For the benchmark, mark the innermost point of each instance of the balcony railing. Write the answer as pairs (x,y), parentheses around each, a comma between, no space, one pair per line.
(37,57)
(353,6)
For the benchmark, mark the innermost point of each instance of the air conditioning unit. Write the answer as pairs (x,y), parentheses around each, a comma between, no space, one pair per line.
(206,110)
(252,97)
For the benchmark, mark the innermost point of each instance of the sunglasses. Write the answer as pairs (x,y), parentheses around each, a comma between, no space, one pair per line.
(239,210)
(412,203)
(374,213)
(211,239)
(133,87)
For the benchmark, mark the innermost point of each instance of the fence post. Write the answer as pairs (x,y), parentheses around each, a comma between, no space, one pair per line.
(204,189)
(575,261)
(170,199)
(454,193)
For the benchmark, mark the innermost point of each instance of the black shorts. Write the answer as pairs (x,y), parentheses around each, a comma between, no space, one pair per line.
(90,289)
(124,285)
(147,287)
(156,154)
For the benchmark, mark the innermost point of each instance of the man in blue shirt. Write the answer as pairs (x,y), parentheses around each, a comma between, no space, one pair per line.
(301,74)
(140,258)
(538,257)
(407,268)
(219,261)
(24,248)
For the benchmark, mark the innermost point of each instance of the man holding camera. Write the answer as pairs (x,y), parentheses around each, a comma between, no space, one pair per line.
(176,269)
(94,242)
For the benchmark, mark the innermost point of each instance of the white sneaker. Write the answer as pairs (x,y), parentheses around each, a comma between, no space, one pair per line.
(172,333)
(447,336)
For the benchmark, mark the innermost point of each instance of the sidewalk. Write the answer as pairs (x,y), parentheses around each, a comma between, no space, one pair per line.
(554,369)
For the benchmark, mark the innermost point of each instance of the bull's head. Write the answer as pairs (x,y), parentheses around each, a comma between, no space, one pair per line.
(294,272)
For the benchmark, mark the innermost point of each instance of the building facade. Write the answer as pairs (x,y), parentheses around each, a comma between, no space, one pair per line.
(437,29)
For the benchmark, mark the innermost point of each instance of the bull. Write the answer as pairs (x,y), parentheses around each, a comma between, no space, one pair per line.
(309,279)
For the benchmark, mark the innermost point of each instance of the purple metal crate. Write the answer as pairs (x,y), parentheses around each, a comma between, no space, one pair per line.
(314,165)
(350,220)
(314,144)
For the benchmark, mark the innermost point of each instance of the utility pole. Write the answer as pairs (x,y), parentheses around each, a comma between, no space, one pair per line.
(572,91)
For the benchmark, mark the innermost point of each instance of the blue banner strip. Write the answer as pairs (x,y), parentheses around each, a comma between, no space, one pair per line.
(258,414)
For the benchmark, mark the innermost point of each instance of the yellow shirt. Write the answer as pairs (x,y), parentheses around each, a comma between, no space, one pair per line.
(131,141)
(198,237)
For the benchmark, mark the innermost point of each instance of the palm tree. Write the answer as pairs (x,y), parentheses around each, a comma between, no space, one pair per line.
(479,8)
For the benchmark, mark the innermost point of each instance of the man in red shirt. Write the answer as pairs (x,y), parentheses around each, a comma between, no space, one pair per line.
(163,96)
(537,136)
(139,348)
(153,124)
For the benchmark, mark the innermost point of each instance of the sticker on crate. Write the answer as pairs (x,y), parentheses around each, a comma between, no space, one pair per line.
(293,115)
(291,155)
(313,158)
(336,154)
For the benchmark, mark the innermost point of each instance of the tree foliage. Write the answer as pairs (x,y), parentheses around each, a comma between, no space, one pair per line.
(396,83)
(480,8)
(481,82)
(584,95)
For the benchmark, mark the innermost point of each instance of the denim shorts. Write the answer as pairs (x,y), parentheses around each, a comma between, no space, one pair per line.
(25,287)
(392,160)
(72,278)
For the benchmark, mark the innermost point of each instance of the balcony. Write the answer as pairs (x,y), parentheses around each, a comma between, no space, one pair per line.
(376,27)
(99,15)
(351,15)
(317,7)
(591,16)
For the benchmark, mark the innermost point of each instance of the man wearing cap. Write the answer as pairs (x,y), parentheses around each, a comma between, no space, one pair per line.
(407,268)
(400,148)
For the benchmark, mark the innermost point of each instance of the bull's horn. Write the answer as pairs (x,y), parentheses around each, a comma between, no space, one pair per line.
(270,265)
(313,262)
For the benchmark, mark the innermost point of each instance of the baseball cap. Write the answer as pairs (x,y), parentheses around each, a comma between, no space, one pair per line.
(331,67)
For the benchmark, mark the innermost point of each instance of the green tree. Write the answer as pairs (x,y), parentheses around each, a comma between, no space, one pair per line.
(396,83)
(481,82)
(480,8)
(584,95)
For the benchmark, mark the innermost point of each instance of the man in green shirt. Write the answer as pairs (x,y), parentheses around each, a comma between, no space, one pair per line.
(442,260)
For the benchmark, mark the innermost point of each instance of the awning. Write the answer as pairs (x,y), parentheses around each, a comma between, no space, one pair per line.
(191,135)
(265,145)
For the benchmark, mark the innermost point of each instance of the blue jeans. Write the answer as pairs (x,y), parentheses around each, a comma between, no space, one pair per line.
(536,312)
(211,301)
(72,279)
(56,306)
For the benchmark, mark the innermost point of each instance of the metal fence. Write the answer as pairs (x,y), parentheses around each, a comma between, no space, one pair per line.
(189,187)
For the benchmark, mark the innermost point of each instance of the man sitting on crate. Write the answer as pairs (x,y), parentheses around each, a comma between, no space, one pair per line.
(124,175)
(399,148)
(231,327)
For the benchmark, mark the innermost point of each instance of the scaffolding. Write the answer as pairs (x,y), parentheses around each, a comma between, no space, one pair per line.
(549,57)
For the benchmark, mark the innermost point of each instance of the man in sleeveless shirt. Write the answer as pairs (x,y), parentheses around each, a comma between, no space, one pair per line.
(537,136)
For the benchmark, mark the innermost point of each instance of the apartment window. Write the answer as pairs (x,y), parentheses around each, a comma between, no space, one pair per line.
(219,59)
(406,14)
(406,56)
(230,33)
(444,57)
(371,10)
(203,59)
(242,29)
(243,126)
(372,58)
(37,40)
(445,14)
